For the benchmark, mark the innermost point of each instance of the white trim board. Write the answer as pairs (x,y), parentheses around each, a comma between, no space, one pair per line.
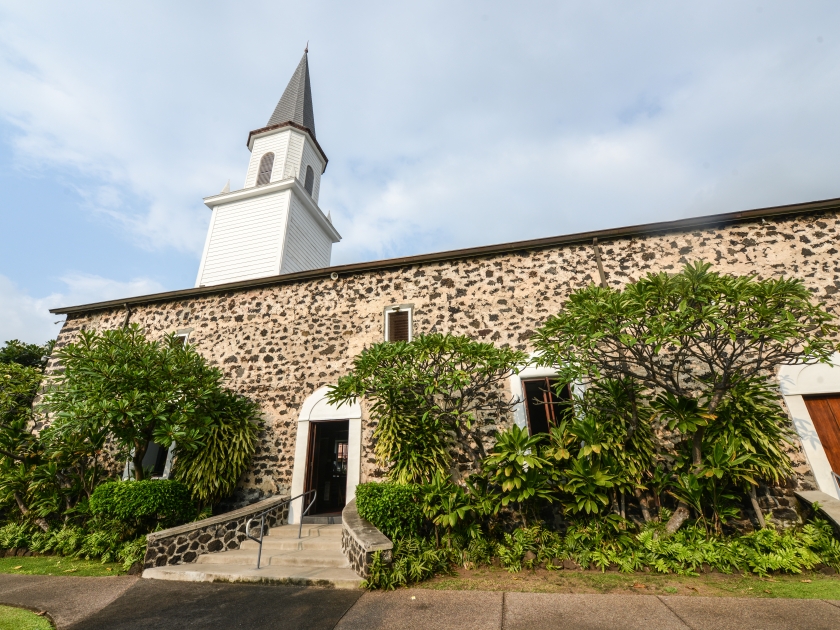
(316,408)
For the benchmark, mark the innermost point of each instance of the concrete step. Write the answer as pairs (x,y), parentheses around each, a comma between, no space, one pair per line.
(315,559)
(323,520)
(292,544)
(308,531)
(268,574)
(297,558)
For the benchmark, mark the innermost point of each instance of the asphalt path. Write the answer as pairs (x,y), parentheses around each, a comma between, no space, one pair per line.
(127,603)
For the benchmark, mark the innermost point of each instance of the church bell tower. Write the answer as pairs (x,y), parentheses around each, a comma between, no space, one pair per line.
(273,224)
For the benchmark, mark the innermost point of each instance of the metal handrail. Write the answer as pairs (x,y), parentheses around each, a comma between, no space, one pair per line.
(261,517)
(836,479)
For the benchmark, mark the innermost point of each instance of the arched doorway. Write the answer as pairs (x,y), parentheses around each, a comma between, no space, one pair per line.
(327,450)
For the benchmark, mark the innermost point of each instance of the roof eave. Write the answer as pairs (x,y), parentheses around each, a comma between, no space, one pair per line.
(294,125)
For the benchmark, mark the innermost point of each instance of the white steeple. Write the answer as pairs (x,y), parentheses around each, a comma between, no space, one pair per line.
(273,225)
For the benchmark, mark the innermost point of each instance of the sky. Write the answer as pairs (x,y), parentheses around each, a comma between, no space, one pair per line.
(447,124)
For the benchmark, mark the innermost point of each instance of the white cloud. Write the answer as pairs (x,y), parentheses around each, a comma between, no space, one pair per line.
(486,126)
(27,318)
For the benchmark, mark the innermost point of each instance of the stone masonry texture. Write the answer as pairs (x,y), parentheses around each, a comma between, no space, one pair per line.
(279,343)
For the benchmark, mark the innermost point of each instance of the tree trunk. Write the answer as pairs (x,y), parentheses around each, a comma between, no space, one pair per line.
(697,449)
(25,510)
(757,508)
(697,443)
(679,517)
(643,504)
(137,459)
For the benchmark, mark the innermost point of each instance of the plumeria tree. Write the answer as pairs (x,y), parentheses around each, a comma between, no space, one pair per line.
(429,396)
(691,340)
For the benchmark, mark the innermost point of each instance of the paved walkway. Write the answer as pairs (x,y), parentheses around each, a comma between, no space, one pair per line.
(125,603)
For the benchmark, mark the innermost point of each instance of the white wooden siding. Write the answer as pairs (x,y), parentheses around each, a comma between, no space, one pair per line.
(246,240)
(277,143)
(307,246)
(311,158)
(294,154)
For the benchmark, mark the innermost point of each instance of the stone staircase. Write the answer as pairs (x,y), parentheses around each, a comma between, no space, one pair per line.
(315,559)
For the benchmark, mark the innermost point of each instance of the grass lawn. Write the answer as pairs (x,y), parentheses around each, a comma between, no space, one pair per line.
(804,586)
(20,619)
(57,565)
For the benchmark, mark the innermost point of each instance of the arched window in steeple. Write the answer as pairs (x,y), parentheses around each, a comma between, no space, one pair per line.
(309,182)
(266,164)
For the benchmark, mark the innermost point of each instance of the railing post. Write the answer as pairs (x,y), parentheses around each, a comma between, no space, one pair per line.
(262,533)
(300,525)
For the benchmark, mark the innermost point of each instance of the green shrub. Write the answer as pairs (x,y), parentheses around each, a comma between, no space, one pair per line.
(393,509)
(15,536)
(100,543)
(414,560)
(131,552)
(144,505)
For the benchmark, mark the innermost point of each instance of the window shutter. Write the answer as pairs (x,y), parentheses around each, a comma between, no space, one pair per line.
(310,180)
(398,326)
(266,164)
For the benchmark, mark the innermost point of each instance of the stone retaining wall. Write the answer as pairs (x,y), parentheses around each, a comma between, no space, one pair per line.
(360,540)
(184,544)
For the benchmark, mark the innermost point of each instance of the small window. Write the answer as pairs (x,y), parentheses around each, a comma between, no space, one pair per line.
(545,406)
(154,461)
(181,338)
(310,180)
(398,324)
(266,164)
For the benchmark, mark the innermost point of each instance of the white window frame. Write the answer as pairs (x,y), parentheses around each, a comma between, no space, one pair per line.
(399,308)
(184,333)
(128,471)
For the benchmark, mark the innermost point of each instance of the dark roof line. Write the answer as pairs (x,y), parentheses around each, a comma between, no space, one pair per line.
(487,250)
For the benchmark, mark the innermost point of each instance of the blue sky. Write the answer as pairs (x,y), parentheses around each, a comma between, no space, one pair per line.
(447,124)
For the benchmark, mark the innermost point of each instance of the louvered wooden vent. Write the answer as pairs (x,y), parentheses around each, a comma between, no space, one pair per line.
(266,164)
(310,180)
(398,326)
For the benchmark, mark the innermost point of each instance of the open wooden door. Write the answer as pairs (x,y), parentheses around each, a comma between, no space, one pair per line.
(825,414)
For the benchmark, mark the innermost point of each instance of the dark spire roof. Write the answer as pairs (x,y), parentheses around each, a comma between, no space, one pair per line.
(296,103)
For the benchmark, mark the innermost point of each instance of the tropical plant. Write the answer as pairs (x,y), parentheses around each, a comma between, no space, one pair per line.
(138,391)
(212,471)
(700,343)
(696,335)
(447,505)
(519,472)
(429,396)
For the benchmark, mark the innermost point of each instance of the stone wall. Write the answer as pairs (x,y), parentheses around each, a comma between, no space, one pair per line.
(185,543)
(279,343)
(360,540)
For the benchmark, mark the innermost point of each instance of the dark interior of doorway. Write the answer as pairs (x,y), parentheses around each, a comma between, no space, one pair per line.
(545,403)
(326,469)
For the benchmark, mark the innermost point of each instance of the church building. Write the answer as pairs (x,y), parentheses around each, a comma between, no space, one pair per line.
(283,324)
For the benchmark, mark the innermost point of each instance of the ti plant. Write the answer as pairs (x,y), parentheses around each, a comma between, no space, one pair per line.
(518,470)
